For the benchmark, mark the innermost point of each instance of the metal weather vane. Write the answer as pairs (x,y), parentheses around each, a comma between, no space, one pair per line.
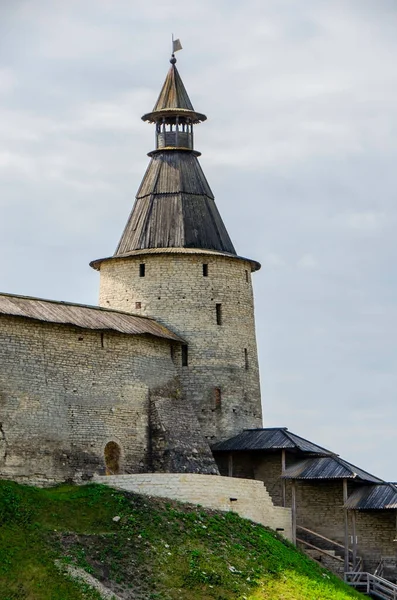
(176,45)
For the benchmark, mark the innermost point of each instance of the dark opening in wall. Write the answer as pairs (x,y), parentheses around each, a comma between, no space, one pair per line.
(142,270)
(205,270)
(138,304)
(112,458)
(246,276)
(102,340)
(219,314)
(246,359)
(184,355)
(217,397)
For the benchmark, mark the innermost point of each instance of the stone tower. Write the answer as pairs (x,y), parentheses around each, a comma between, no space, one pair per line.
(175,262)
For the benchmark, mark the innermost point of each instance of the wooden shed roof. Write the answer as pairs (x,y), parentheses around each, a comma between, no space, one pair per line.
(373,497)
(328,467)
(83,316)
(269,439)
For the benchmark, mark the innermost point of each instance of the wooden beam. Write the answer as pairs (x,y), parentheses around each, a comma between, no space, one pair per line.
(354,535)
(320,550)
(230,464)
(283,482)
(346,526)
(293,510)
(322,537)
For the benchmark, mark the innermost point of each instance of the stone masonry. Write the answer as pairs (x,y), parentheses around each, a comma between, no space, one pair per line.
(66,392)
(246,497)
(221,377)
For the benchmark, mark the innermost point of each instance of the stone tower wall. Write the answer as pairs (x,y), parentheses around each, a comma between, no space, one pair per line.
(222,375)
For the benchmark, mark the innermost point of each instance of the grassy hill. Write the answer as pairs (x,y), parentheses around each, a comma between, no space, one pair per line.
(154,549)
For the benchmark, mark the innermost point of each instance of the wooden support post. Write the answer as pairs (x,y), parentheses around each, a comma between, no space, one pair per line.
(283,482)
(230,464)
(293,510)
(346,526)
(395,537)
(353,513)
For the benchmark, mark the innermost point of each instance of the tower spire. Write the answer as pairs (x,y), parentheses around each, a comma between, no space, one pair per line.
(174,206)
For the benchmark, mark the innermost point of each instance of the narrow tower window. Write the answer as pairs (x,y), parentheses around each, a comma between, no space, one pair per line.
(205,270)
(184,355)
(246,276)
(219,314)
(142,270)
(246,359)
(217,398)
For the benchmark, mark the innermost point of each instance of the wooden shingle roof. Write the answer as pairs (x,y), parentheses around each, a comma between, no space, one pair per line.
(173,99)
(174,207)
(173,93)
(82,316)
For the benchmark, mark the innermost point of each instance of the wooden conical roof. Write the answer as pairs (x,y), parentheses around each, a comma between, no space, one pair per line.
(173,99)
(174,208)
(173,93)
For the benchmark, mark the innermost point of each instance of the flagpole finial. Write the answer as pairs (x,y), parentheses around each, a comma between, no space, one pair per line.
(176,45)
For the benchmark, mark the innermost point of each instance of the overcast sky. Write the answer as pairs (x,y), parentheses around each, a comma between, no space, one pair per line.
(299,148)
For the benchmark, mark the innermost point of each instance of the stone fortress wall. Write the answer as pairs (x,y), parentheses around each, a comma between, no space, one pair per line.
(246,497)
(66,392)
(214,313)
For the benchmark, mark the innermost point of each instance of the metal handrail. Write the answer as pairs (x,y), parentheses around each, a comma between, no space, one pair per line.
(358,565)
(377,586)
(381,566)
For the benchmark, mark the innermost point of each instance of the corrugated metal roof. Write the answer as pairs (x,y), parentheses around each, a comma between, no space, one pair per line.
(173,98)
(81,315)
(328,467)
(174,208)
(268,439)
(373,497)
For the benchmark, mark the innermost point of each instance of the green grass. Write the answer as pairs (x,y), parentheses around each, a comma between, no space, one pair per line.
(157,550)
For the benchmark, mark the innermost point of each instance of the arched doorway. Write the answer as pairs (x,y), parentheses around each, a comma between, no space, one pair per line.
(112,458)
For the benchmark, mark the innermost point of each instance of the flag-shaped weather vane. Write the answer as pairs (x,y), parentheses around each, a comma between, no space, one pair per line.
(176,45)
